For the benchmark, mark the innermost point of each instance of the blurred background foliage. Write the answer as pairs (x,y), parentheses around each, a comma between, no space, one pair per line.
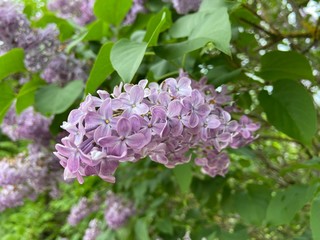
(272,188)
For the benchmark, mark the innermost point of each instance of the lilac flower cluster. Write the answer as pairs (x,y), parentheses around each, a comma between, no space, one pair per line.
(62,69)
(93,231)
(40,46)
(82,209)
(118,211)
(80,11)
(25,177)
(185,6)
(137,7)
(28,125)
(163,122)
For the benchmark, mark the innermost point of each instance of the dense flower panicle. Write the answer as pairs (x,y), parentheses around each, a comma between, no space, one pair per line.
(28,125)
(162,121)
(118,211)
(137,7)
(186,6)
(25,177)
(14,26)
(93,231)
(82,209)
(39,51)
(80,11)
(79,212)
(63,69)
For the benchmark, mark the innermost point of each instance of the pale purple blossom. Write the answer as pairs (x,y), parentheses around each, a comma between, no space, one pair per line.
(163,122)
(118,211)
(93,230)
(186,6)
(137,7)
(80,11)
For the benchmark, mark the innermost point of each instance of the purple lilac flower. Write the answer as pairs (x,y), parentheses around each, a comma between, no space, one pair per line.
(137,7)
(63,69)
(14,26)
(118,211)
(25,177)
(28,125)
(39,51)
(80,11)
(93,231)
(79,212)
(162,121)
(186,6)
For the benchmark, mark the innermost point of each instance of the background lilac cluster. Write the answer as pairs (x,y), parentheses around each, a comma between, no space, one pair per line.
(25,177)
(41,47)
(164,122)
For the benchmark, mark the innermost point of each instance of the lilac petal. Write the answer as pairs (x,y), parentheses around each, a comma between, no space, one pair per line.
(109,141)
(224,137)
(158,128)
(203,110)
(101,131)
(124,127)
(233,125)
(204,134)
(136,141)
(201,161)
(158,113)
(106,109)
(196,97)
(117,104)
(252,127)
(90,170)
(184,85)
(73,163)
(135,123)
(213,122)
(92,121)
(74,116)
(136,94)
(120,149)
(176,128)
(141,108)
(174,108)
(63,150)
(245,133)
(194,120)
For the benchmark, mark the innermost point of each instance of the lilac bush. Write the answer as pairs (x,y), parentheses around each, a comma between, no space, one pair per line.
(80,11)
(93,230)
(26,176)
(118,211)
(28,125)
(163,122)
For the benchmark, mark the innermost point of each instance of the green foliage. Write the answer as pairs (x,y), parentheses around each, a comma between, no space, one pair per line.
(101,69)
(277,65)
(11,62)
(183,174)
(290,109)
(112,11)
(314,217)
(7,96)
(52,99)
(287,203)
(26,95)
(126,57)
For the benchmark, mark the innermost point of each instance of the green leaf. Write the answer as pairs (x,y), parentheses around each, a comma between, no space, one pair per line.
(183,174)
(213,25)
(101,69)
(112,11)
(126,57)
(11,62)
(277,65)
(6,98)
(285,204)
(52,99)
(312,164)
(157,24)
(290,109)
(253,204)
(175,50)
(315,218)
(96,31)
(141,230)
(26,94)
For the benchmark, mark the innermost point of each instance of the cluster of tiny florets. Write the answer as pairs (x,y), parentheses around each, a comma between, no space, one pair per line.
(25,177)
(163,122)
(41,47)
(80,11)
